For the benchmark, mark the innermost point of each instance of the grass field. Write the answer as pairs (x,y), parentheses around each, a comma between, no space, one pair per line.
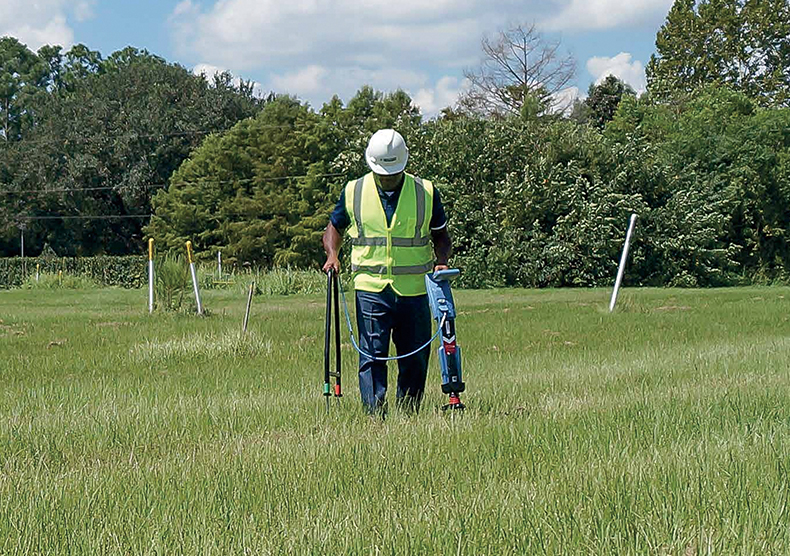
(661,429)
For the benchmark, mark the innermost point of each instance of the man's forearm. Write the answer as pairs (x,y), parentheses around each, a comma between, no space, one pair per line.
(332,241)
(442,246)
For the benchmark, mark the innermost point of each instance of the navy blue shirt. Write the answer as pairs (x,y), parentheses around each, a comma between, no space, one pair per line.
(340,218)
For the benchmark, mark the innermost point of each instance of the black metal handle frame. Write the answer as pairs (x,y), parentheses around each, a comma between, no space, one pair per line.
(332,287)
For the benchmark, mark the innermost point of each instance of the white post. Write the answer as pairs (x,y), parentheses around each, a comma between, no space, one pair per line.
(194,277)
(247,311)
(38,270)
(219,265)
(623,258)
(151,275)
(22,246)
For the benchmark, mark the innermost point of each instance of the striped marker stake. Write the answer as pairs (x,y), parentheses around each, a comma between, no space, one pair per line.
(150,275)
(623,258)
(194,277)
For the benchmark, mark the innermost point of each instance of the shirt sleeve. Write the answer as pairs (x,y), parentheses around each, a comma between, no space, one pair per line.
(438,217)
(339,217)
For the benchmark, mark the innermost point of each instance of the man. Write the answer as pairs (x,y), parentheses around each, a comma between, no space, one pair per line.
(390,216)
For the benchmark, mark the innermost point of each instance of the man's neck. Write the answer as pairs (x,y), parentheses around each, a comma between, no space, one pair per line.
(389,183)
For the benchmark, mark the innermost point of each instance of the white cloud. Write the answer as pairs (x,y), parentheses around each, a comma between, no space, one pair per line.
(432,100)
(307,81)
(606,14)
(621,66)
(253,33)
(563,100)
(314,49)
(317,84)
(83,10)
(43,21)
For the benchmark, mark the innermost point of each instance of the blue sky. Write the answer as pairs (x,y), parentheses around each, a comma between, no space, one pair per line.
(316,48)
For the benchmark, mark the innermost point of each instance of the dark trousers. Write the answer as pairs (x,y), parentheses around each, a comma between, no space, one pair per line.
(408,320)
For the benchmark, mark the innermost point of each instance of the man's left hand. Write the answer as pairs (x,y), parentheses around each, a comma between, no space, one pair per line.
(439,267)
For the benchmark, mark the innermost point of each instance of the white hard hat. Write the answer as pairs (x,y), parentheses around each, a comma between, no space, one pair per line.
(387,153)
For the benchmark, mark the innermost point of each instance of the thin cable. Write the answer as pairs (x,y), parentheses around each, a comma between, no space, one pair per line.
(88,217)
(104,138)
(180,183)
(68,189)
(395,357)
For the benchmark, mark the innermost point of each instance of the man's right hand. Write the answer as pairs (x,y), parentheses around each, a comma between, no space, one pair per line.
(332,263)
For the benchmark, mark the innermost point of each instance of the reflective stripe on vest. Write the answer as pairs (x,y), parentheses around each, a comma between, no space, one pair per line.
(419,240)
(396,253)
(396,270)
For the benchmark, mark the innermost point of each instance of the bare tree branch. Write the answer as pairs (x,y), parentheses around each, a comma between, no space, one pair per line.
(517,64)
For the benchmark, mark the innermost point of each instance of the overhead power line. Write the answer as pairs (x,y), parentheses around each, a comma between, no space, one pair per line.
(86,217)
(67,189)
(161,185)
(104,138)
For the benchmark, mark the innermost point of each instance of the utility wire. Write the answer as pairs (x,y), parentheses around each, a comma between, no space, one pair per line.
(180,183)
(104,138)
(64,190)
(86,217)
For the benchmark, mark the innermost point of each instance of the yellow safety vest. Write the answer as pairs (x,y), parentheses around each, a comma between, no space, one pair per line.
(400,254)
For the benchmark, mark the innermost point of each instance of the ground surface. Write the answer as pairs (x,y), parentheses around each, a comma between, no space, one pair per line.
(661,429)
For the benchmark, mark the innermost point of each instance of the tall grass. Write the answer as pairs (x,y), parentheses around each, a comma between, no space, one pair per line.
(55,281)
(661,429)
(171,273)
(276,281)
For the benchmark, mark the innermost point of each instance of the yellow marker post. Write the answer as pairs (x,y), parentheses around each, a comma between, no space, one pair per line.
(194,277)
(60,277)
(151,275)
(38,270)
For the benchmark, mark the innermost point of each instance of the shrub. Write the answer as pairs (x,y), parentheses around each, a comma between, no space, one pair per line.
(125,272)
(172,280)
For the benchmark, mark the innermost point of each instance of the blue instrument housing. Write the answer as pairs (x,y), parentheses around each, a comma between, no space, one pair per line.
(440,296)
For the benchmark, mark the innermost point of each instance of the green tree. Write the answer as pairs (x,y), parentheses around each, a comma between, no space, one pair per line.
(716,169)
(744,44)
(22,78)
(604,98)
(107,136)
(263,191)
(247,192)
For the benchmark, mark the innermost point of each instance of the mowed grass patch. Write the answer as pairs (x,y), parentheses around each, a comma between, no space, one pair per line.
(661,429)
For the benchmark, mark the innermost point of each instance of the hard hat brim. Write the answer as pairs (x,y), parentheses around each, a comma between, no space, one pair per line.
(389,169)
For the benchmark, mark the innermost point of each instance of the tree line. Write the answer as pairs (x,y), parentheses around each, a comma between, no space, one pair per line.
(536,196)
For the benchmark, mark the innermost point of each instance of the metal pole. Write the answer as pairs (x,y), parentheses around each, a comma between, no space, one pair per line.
(327,335)
(150,275)
(194,278)
(247,311)
(22,246)
(623,258)
(336,286)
